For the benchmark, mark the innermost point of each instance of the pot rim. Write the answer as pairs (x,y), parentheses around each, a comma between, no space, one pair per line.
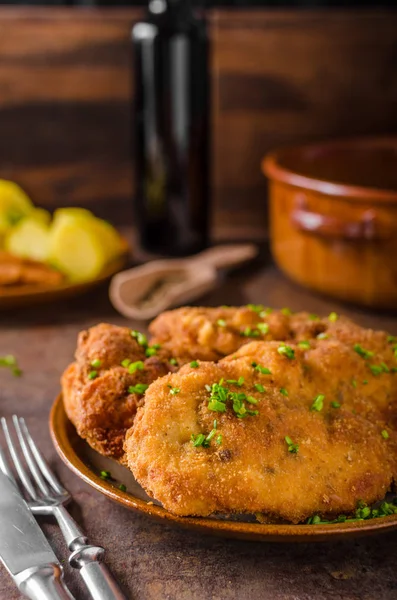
(272,168)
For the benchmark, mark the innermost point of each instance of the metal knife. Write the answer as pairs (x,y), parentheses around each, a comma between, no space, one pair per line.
(24,550)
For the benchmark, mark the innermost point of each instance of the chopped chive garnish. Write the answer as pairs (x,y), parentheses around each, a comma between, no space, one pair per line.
(333,317)
(174,391)
(259,388)
(150,352)
(363,512)
(286,311)
(125,363)
(365,381)
(265,312)
(384,434)
(8,361)
(385,368)
(11,362)
(221,323)
(174,362)
(140,338)
(198,440)
(210,435)
(335,404)
(219,440)
(122,487)
(362,352)
(304,344)
(194,364)
(315,520)
(286,351)
(263,328)
(216,406)
(313,317)
(260,369)
(136,366)
(376,369)
(323,336)
(220,395)
(318,403)
(248,332)
(238,381)
(391,339)
(96,363)
(354,383)
(293,448)
(106,475)
(92,374)
(252,400)
(283,391)
(258,308)
(139,388)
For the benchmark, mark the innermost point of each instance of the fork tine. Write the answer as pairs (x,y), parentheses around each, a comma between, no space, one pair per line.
(5,467)
(40,460)
(35,471)
(17,462)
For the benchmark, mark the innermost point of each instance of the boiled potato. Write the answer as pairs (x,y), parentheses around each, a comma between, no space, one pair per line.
(110,237)
(104,231)
(14,204)
(72,213)
(42,215)
(29,238)
(77,250)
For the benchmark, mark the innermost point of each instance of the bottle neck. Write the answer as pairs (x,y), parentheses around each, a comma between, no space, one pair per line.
(173,11)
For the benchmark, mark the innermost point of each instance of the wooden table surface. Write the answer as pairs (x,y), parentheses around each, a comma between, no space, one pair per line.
(151,560)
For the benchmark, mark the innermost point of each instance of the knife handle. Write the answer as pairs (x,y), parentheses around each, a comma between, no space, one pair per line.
(97,577)
(43,583)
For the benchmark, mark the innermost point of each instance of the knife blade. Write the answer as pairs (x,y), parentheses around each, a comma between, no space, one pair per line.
(24,550)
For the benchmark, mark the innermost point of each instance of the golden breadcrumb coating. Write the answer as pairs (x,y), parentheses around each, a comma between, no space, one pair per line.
(323,439)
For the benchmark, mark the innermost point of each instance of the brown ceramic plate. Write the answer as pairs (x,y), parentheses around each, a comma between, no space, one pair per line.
(25,295)
(88,464)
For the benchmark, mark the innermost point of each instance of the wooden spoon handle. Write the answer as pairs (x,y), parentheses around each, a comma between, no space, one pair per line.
(224,257)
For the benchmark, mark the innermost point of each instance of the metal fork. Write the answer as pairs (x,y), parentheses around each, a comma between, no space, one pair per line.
(48,497)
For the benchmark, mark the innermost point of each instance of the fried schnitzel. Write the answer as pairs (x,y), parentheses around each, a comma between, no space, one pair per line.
(16,271)
(211,333)
(283,430)
(103,388)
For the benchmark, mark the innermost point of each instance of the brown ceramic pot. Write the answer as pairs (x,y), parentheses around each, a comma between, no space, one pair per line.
(333,217)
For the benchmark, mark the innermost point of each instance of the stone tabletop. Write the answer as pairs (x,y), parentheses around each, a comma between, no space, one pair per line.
(153,561)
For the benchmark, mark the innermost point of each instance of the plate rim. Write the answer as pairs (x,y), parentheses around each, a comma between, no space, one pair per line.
(232,529)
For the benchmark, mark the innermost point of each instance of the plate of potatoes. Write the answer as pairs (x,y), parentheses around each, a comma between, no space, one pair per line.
(44,257)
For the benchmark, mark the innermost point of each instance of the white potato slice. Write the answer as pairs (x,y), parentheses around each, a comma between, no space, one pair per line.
(29,238)
(76,250)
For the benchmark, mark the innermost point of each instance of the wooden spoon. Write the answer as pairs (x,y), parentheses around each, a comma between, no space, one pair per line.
(144,292)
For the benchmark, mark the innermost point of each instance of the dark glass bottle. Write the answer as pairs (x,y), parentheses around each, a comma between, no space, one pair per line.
(171,129)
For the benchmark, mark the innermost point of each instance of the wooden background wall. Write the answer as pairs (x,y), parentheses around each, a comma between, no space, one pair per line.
(278,77)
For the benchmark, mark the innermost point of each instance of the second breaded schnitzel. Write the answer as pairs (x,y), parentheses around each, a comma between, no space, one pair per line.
(283,430)
(103,388)
(207,333)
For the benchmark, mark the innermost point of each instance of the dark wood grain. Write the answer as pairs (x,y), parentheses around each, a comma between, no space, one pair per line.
(278,77)
(286,77)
